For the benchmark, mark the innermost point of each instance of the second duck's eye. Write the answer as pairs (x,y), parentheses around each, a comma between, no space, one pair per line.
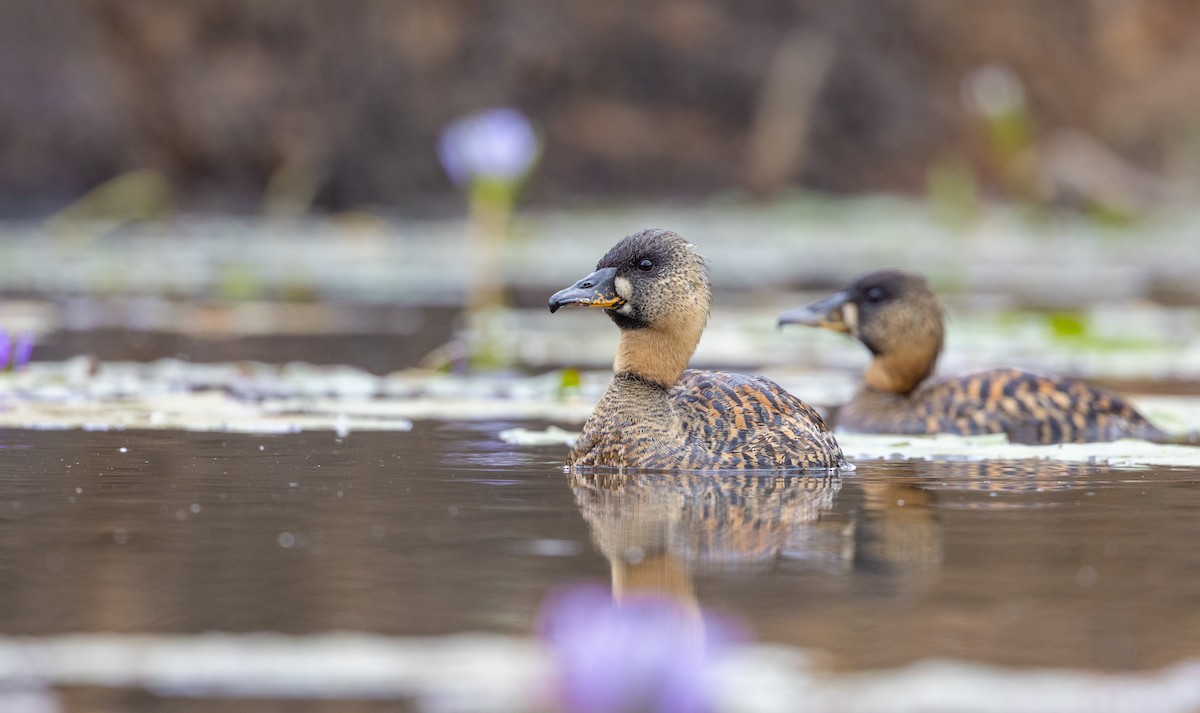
(646,264)
(876,294)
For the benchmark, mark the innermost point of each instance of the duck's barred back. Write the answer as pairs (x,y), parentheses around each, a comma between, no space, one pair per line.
(1029,408)
(719,421)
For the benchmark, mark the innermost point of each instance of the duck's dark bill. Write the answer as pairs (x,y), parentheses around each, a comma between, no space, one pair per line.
(825,313)
(596,290)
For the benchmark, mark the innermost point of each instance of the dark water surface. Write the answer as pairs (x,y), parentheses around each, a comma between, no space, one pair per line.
(446,529)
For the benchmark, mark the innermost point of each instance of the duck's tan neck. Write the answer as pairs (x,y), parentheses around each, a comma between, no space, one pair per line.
(902,371)
(656,354)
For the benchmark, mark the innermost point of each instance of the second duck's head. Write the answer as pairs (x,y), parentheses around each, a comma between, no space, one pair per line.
(650,280)
(896,314)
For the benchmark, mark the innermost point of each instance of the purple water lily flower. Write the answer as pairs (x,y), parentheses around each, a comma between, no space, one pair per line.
(498,145)
(643,655)
(14,356)
(23,351)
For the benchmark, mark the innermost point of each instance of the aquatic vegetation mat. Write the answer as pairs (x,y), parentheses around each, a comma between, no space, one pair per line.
(860,447)
(255,397)
(479,672)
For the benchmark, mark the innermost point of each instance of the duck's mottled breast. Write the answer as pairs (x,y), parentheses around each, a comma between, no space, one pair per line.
(1029,408)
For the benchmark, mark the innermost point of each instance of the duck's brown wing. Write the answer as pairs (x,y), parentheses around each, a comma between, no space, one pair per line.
(752,422)
(1030,408)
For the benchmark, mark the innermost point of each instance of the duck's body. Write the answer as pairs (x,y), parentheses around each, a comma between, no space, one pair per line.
(655,415)
(899,318)
(1026,407)
(709,420)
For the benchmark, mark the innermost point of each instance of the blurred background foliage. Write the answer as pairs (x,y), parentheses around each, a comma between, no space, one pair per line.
(333,105)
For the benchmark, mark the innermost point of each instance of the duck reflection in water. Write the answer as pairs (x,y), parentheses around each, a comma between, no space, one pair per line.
(650,646)
(658,530)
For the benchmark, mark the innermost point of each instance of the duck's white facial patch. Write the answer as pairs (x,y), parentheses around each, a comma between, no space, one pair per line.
(850,317)
(624,288)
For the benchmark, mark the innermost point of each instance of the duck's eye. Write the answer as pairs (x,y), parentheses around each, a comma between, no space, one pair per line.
(646,265)
(876,294)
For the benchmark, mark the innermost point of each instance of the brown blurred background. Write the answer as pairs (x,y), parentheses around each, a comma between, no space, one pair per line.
(1075,101)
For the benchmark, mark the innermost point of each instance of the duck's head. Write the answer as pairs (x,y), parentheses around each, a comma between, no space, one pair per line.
(649,280)
(655,288)
(896,314)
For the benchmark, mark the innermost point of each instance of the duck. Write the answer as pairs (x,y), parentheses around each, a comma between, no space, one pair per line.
(657,414)
(899,318)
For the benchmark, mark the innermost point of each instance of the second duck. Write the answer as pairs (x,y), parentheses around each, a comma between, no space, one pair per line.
(898,317)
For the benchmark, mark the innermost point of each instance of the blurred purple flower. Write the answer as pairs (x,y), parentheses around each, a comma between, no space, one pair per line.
(498,145)
(15,356)
(643,655)
(23,351)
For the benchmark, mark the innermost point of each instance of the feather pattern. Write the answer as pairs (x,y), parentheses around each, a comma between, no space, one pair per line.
(1028,408)
(710,420)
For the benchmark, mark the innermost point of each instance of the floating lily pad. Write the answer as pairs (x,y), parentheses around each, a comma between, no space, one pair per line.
(944,447)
